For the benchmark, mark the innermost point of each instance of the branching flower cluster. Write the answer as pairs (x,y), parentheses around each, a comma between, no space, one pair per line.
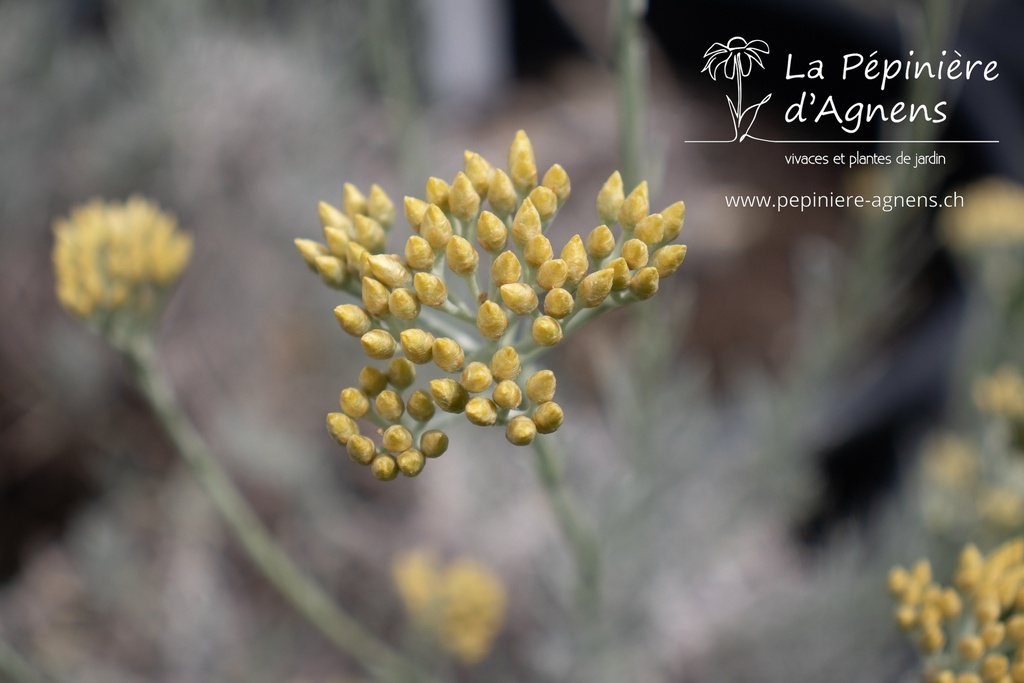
(476,325)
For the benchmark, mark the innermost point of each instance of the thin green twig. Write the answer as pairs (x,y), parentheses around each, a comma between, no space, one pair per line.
(300,590)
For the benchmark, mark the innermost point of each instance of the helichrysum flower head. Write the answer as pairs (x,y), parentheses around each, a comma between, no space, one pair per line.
(115,262)
(478,292)
(974,626)
(460,605)
(1001,394)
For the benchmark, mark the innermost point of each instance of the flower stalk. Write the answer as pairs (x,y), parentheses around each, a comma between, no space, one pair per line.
(301,591)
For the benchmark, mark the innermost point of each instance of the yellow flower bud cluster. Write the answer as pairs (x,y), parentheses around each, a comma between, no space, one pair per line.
(461,605)
(973,630)
(116,259)
(1001,394)
(478,291)
(991,216)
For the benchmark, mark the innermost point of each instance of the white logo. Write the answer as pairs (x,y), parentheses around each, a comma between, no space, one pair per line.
(734,60)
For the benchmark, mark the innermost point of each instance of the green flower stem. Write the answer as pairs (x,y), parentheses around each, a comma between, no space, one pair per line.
(631,70)
(582,540)
(16,668)
(301,591)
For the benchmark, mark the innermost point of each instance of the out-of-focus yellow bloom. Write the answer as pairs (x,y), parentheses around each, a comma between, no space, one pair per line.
(1001,394)
(992,216)
(461,604)
(113,258)
(409,299)
(974,625)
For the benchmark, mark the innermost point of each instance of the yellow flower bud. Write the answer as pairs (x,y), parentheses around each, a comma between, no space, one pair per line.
(992,634)
(548,417)
(384,467)
(389,405)
(449,395)
(370,234)
(674,216)
(506,269)
(358,258)
(505,363)
(389,270)
(552,274)
(420,406)
(462,257)
(595,288)
(575,256)
(433,443)
(448,355)
(1014,625)
(481,411)
(491,232)
(411,462)
(994,667)
(430,289)
(650,230)
(375,297)
(635,207)
(352,200)
(968,677)
(360,449)
(354,403)
(520,431)
(521,164)
(310,250)
(332,217)
(341,427)
(501,194)
(507,394)
(668,259)
(463,198)
(620,273)
(971,648)
(635,253)
(380,207)
(414,210)
(951,606)
(478,171)
(987,609)
(401,373)
(558,303)
(557,180)
(545,201)
(610,198)
(435,228)
(396,439)
(353,319)
(932,639)
(905,617)
(337,241)
(644,284)
(491,320)
(519,298)
(540,387)
(437,193)
(403,304)
(332,271)
(372,381)
(526,223)
(537,250)
(600,243)
(945,676)
(417,345)
(378,344)
(546,331)
(476,377)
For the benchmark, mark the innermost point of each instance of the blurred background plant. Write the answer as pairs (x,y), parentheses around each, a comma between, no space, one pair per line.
(745,451)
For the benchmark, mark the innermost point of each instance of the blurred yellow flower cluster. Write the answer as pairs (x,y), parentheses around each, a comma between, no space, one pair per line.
(992,216)
(972,631)
(429,305)
(461,604)
(117,258)
(1001,394)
